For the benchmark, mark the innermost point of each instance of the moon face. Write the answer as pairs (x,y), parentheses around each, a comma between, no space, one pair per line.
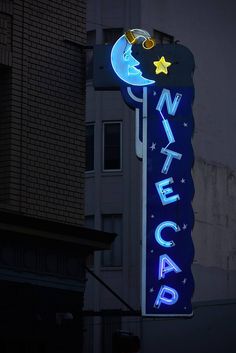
(124,64)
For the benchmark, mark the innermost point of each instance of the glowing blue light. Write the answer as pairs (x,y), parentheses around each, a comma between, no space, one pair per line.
(164,192)
(160,227)
(167,265)
(168,131)
(166,97)
(170,155)
(167,296)
(132,62)
(124,64)
(143,100)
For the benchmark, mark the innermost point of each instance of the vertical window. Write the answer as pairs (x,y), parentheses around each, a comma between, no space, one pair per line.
(88,344)
(91,37)
(112,142)
(89,223)
(91,41)
(110,324)
(89,147)
(110,35)
(113,224)
(162,37)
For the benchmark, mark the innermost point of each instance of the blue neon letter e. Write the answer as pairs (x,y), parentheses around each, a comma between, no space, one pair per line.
(164,192)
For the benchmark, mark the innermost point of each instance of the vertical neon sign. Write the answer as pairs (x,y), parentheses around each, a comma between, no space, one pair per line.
(156,81)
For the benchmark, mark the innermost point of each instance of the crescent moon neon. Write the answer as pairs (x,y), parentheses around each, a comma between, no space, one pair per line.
(124,64)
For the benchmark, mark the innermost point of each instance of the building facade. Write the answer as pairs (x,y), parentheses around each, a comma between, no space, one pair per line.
(44,245)
(113,177)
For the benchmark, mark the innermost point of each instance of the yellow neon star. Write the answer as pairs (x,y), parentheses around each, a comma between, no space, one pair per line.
(161,66)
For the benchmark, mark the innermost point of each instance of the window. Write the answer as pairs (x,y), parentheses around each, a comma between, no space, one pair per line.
(88,344)
(110,35)
(89,147)
(89,223)
(110,324)
(91,37)
(113,224)
(162,37)
(91,41)
(112,141)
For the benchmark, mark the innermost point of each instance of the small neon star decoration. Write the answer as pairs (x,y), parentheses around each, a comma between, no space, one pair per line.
(161,66)
(153,146)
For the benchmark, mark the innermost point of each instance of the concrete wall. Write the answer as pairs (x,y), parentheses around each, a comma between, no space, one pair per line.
(212,329)
(207,28)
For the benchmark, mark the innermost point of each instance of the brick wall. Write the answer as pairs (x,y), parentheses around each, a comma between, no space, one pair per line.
(47,110)
(5,106)
(5,97)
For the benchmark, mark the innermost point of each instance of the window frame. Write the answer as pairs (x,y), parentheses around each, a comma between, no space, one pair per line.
(103,145)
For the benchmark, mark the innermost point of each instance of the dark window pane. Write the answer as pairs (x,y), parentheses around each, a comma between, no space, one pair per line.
(89,223)
(88,334)
(110,35)
(91,40)
(90,147)
(113,224)
(110,324)
(91,37)
(112,146)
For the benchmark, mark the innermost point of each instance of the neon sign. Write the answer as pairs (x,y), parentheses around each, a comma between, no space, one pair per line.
(165,148)
(156,81)
(124,63)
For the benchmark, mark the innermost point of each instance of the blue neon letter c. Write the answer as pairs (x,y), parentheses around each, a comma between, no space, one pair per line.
(160,227)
